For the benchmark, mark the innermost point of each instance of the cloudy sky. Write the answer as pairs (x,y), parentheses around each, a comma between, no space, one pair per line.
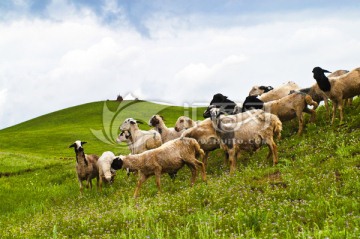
(59,53)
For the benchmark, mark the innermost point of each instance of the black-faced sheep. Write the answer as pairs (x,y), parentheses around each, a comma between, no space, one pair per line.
(286,108)
(140,140)
(168,158)
(338,88)
(86,165)
(166,133)
(246,132)
(222,102)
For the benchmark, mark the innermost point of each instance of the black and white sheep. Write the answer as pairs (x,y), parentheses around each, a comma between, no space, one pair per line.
(104,166)
(338,88)
(168,158)
(86,165)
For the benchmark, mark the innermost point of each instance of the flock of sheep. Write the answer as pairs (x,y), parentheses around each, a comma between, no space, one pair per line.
(231,127)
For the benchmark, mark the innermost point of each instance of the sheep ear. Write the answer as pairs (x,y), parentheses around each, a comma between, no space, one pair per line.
(139,122)
(161,117)
(72,146)
(326,71)
(83,142)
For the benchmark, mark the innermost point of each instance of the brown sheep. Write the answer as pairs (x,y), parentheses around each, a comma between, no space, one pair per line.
(168,158)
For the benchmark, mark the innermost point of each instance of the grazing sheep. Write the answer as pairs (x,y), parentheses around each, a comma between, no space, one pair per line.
(338,88)
(246,132)
(183,123)
(276,93)
(222,102)
(104,166)
(140,140)
(168,158)
(259,90)
(166,133)
(205,135)
(86,165)
(286,108)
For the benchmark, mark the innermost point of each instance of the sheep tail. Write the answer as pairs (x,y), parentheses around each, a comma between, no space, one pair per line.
(277,127)
(198,151)
(310,101)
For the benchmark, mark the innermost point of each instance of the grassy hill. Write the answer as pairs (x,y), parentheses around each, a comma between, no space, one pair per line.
(312,193)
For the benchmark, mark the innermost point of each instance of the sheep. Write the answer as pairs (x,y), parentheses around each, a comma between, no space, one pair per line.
(276,93)
(317,94)
(166,133)
(205,135)
(338,88)
(140,140)
(86,165)
(259,90)
(246,132)
(104,167)
(168,158)
(184,123)
(126,137)
(286,108)
(222,102)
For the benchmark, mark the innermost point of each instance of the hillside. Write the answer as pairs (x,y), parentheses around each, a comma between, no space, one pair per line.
(313,191)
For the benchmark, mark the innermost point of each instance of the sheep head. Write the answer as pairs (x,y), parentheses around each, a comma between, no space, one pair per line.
(126,125)
(117,163)
(155,120)
(123,136)
(78,145)
(183,122)
(321,79)
(79,150)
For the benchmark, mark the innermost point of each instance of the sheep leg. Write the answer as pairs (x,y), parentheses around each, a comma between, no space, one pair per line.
(81,185)
(312,114)
(301,122)
(206,158)
(272,151)
(203,170)
(334,111)
(100,183)
(341,111)
(192,167)
(157,179)
(142,179)
(232,158)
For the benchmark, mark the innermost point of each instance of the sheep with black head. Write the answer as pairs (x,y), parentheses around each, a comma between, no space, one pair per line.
(338,88)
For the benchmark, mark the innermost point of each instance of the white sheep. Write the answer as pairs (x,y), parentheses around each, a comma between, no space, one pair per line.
(166,133)
(168,158)
(86,165)
(338,88)
(274,94)
(141,140)
(104,166)
(246,132)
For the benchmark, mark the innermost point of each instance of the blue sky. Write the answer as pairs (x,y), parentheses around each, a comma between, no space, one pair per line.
(177,52)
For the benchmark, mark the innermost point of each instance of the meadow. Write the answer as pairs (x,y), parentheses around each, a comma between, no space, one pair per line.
(313,192)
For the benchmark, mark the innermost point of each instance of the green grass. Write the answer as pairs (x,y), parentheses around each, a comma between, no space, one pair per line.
(312,193)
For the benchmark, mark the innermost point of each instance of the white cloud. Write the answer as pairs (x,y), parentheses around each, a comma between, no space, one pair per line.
(48,65)
(3,98)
